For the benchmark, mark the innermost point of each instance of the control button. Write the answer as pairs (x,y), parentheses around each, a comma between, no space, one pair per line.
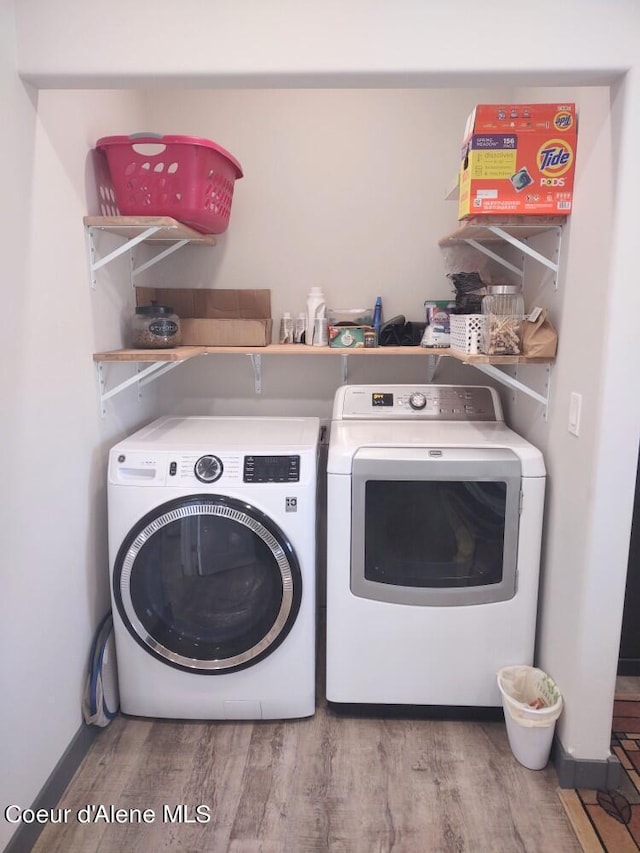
(417,401)
(173,469)
(208,469)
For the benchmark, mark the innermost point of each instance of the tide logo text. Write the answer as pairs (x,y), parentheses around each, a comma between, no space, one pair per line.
(554,158)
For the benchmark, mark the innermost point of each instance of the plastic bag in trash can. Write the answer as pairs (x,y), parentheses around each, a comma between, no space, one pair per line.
(529,695)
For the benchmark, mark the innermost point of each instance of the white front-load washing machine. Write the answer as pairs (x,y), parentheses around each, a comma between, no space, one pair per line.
(212,545)
(434,525)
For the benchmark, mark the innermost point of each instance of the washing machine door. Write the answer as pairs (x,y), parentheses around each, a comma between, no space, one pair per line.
(208,584)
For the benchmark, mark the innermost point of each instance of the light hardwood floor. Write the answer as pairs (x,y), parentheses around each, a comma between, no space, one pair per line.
(628,686)
(328,783)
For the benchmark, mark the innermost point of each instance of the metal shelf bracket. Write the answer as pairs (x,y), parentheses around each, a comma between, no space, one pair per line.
(345,369)
(256,363)
(481,247)
(157,258)
(433,362)
(96,263)
(515,384)
(143,376)
(521,244)
(524,246)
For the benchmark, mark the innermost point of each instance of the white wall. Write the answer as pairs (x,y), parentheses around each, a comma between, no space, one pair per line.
(54,440)
(16,147)
(567,644)
(342,188)
(311,43)
(56,579)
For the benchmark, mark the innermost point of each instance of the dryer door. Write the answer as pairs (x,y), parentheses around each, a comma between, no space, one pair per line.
(207,584)
(435,526)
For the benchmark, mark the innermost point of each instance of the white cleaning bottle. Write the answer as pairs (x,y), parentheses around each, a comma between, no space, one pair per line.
(316,310)
(286,329)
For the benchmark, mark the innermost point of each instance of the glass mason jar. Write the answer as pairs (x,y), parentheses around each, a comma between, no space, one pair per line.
(503,307)
(156,327)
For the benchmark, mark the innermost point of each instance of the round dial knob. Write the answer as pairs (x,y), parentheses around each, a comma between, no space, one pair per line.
(417,400)
(208,469)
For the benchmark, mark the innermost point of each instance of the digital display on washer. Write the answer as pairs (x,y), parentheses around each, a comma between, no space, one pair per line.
(271,469)
(379,399)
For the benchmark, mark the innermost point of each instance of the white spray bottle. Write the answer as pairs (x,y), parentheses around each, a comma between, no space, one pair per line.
(316,310)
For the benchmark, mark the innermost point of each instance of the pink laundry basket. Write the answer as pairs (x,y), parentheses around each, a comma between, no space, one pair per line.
(184,177)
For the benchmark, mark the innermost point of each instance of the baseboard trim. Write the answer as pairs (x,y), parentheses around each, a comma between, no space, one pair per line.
(27,834)
(584,772)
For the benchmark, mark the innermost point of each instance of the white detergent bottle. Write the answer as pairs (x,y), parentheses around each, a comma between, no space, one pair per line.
(316,310)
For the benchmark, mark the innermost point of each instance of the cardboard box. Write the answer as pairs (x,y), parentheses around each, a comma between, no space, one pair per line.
(518,159)
(216,318)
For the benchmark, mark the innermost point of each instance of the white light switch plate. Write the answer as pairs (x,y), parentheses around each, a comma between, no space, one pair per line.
(575,410)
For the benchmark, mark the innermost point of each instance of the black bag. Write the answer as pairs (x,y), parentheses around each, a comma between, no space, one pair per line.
(397,332)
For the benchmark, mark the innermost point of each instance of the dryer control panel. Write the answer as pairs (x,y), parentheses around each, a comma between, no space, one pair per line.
(422,402)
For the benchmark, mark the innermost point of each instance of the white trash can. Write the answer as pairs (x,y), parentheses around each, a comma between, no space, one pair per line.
(532,703)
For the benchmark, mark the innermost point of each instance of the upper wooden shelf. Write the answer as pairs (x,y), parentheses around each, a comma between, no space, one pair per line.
(489,229)
(167,230)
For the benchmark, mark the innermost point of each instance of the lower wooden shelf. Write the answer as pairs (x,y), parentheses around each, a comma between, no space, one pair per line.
(183,353)
(159,361)
(150,355)
(495,359)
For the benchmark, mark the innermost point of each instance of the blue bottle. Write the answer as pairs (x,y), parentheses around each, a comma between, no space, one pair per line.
(377,318)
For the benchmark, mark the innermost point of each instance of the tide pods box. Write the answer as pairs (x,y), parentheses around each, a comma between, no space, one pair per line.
(518,159)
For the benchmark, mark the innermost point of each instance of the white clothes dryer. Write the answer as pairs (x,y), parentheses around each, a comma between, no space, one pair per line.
(434,523)
(212,543)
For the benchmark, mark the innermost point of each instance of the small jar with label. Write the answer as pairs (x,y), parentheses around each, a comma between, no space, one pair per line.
(503,309)
(156,327)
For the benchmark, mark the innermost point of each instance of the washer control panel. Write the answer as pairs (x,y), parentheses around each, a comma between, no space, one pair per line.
(198,469)
(429,402)
(271,469)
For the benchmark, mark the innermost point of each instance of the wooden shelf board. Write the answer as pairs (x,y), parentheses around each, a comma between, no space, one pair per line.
(302,349)
(184,353)
(130,226)
(496,359)
(173,354)
(480,230)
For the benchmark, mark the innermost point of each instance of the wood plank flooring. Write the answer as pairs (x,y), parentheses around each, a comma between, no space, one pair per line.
(628,686)
(328,783)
